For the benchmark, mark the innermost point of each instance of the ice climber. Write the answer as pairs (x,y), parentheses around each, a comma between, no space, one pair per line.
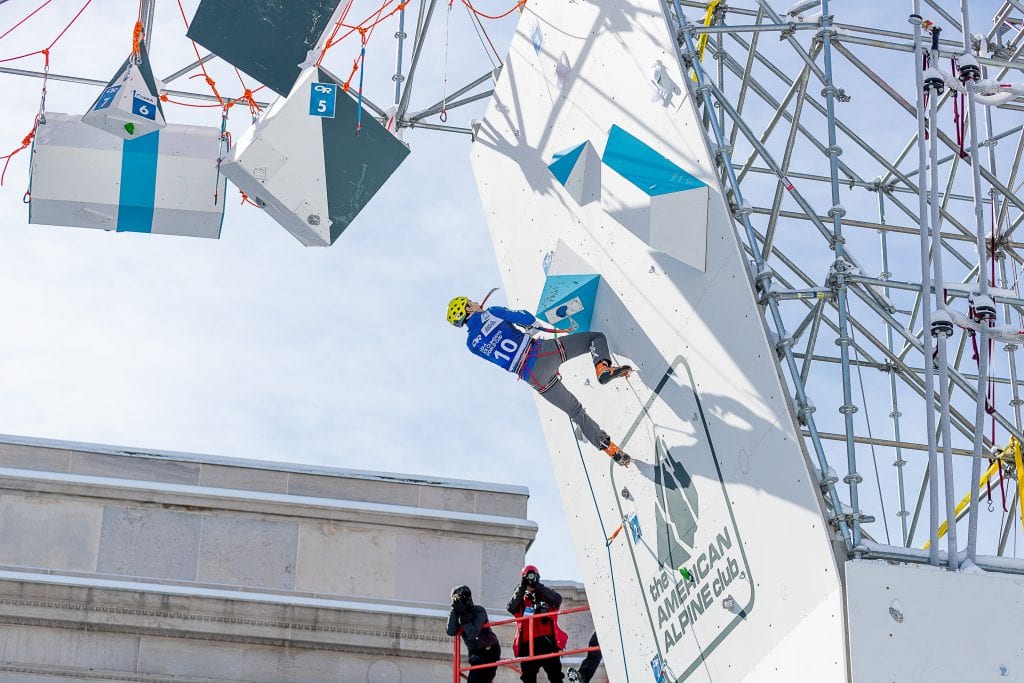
(504,338)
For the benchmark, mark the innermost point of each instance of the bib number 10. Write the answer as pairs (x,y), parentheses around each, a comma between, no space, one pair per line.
(509,346)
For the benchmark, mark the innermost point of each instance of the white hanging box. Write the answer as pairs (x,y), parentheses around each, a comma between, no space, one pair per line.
(162,183)
(314,159)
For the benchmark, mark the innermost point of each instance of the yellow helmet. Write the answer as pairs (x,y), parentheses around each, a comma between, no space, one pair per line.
(457,311)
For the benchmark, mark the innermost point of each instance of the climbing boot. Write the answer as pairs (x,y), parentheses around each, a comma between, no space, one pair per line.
(617,454)
(606,372)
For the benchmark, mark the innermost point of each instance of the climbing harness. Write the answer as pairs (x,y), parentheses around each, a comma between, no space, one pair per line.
(533,351)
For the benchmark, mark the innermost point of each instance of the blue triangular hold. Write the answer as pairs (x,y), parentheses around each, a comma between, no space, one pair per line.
(564,162)
(641,165)
(568,297)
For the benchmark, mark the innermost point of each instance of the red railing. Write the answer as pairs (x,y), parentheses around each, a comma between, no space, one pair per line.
(458,670)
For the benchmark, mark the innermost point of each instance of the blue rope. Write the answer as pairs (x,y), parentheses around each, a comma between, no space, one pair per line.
(608,549)
(362,69)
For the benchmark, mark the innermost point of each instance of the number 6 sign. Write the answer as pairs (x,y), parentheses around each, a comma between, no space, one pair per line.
(141,106)
(322,98)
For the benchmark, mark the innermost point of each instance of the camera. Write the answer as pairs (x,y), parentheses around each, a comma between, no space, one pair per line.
(541,607)
(462,597)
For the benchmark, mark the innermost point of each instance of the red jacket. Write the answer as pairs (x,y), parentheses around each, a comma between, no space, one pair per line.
(543,626)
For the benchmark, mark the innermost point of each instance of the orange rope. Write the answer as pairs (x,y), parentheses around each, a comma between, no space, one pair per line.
(246,200)
(244,97)
(365,28)
(209,81)
(30,15)
(165,98)
(25,142)
(46,50)
(337,27)
(73,20)
(362,25)
(474,10)
(254,108)
(27,54)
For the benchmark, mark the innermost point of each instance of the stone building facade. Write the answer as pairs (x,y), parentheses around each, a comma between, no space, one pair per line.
(155,567)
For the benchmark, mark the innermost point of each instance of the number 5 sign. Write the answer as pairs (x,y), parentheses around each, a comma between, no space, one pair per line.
(322,98)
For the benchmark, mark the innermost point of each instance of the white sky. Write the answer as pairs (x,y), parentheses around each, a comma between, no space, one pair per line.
(253,345)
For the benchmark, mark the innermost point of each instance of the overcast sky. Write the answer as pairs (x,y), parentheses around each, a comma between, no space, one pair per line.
(253,345)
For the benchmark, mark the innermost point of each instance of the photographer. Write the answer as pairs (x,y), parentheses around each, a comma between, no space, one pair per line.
(533,597)
(469,619)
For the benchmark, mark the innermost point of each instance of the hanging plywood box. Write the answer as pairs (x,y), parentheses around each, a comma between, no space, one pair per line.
(314,159)
(164,182)
(267,39)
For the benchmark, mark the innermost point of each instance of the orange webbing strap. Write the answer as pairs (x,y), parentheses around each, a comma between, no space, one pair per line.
(618,530)
(137,39)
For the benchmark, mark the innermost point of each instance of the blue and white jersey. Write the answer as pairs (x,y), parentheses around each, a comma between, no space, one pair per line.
(492,335)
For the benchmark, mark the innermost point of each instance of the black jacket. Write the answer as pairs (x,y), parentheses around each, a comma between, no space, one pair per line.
(475,635)
(541,593)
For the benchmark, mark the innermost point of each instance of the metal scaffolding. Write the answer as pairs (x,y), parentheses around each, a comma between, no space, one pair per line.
(806,175)
(405,72)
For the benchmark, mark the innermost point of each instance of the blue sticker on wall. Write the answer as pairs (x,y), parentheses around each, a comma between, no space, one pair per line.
(107,98)
(322,99)
(634,528)
(658,669)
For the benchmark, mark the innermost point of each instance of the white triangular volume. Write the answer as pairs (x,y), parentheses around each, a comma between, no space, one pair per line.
(679,225)
(565,261)
(127,107)
(279,163)
(584,181)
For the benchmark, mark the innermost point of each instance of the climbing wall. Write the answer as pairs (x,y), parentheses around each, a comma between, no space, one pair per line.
(604,212)
(901,618)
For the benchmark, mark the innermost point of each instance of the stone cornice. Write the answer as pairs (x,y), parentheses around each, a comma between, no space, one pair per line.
(96,674)
(274,465)
(201,498)
(151,613)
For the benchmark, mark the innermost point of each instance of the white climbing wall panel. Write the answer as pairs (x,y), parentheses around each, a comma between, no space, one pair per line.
(907,624)
(721,487)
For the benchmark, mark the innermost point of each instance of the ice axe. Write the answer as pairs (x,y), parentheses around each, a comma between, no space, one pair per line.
(483,303)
